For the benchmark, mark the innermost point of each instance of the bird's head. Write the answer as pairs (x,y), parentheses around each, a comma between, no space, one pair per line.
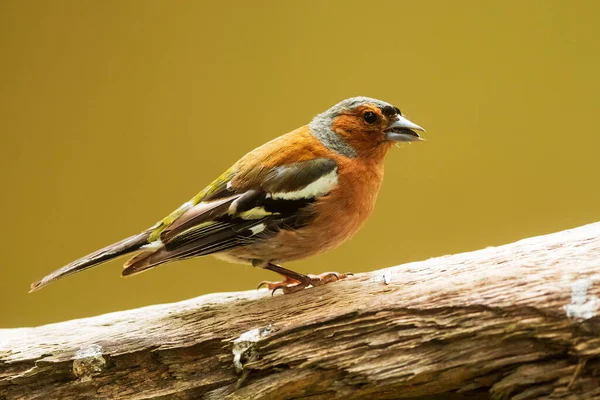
(361,126)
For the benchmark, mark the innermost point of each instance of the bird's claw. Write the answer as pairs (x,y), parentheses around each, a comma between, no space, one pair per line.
(290,288)
(290,285)
(328,277)
(273,285)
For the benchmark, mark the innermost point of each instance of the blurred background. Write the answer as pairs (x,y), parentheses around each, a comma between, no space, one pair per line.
(113,113)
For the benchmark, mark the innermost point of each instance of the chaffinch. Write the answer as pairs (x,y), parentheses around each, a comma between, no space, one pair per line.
(296,196)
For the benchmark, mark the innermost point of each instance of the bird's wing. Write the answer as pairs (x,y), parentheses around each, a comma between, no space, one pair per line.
(231,214)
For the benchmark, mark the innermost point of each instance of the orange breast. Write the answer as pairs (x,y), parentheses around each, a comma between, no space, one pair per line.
(346,208)
(339,216)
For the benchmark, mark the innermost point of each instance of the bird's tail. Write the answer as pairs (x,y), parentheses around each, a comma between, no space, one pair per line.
(123,247)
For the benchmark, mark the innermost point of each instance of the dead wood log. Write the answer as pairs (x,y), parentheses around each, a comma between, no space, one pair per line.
(517,321)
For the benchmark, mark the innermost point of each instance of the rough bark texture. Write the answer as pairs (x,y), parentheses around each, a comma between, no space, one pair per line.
(517,321)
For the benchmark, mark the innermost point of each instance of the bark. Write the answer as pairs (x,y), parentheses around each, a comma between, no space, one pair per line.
(517,321)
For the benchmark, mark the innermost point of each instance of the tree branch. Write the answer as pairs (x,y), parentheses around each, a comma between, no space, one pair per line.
(517,321)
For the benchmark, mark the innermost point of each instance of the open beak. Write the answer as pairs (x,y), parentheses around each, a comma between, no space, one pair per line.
(402,130)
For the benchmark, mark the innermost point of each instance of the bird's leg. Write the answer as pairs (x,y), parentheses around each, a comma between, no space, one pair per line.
(294,281)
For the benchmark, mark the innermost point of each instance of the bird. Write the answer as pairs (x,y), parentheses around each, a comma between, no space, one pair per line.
(296,196)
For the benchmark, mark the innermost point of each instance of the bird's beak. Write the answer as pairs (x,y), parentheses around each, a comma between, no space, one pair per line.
(401,130)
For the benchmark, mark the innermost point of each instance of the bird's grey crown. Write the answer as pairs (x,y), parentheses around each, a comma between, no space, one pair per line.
(320,126)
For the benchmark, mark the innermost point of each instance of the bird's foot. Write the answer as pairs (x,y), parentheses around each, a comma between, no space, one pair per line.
(271,285)
(328,277)
(299,281)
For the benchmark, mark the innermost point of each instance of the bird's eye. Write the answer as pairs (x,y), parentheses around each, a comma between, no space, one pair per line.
(370,117)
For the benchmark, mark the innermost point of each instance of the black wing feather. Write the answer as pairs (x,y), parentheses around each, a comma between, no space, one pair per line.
(226,226)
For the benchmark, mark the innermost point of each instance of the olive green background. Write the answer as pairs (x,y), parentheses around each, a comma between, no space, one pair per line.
(113,113)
